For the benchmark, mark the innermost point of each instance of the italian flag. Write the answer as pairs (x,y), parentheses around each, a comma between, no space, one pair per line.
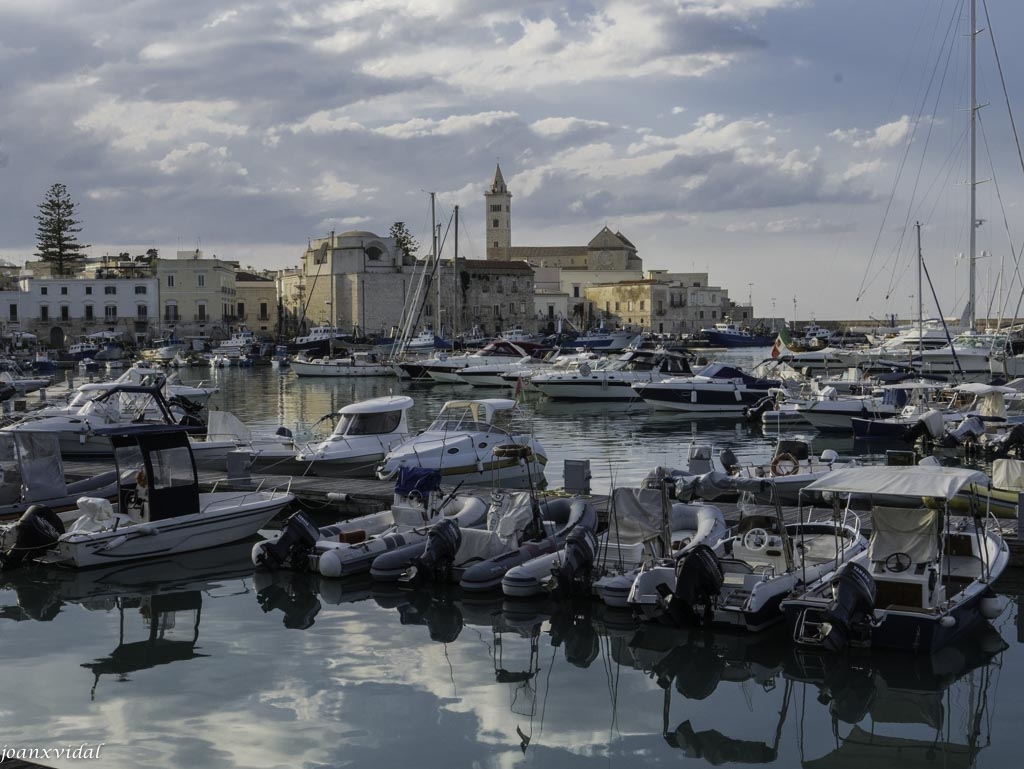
(782,342)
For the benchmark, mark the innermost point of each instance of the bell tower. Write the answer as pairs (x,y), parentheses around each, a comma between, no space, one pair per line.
(498,205)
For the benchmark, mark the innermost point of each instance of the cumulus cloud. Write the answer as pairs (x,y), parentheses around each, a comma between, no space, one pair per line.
(884,137)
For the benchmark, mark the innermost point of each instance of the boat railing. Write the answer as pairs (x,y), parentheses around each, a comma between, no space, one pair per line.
(263,486)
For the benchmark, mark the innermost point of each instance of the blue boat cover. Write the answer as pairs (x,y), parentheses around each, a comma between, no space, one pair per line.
(419,479)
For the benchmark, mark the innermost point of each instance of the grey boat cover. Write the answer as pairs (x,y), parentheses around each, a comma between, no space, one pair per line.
(903,530)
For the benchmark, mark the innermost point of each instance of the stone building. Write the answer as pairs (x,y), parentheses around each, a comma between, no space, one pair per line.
(197,296)
(256,302)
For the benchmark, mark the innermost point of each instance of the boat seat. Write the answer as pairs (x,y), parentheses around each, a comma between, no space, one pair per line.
(353,537)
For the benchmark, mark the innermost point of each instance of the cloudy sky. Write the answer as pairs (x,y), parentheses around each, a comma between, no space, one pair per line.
(785,146)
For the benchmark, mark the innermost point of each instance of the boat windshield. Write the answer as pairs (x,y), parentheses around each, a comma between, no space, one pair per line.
(377,423)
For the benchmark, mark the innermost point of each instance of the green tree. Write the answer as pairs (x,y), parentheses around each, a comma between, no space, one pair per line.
(56,235)
(403,239)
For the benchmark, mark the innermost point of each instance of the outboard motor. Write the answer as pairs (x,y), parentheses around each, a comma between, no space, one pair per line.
(699,580)
(36,531)
(1013,443)
(298,538)
(580,552)
(443,541)
(929,425)
(753,413)
(968,430)
(854,603)
(728,460)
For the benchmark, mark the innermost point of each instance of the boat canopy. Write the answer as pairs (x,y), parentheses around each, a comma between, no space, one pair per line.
(918,481)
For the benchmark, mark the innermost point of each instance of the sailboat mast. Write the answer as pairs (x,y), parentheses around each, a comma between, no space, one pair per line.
(920,295)
(972,130)
(456,323)
(437,264)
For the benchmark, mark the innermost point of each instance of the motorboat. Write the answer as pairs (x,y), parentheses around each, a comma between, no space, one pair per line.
(605,340)
(160,510)
(519,528)
(447,368)
(642,526)
(320,341)
(729,334)
(361,363)
(163,350)
(240,343)
(32,473)
(614,381)
(716,388)
(742,580)
(365,432)
(349,547)
(84,432)
(924,579)
(472,441)
(827,410)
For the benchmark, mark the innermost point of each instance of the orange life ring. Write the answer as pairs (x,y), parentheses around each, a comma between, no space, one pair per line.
(785,464)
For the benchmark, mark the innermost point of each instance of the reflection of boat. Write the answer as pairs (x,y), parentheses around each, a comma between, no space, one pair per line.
(880,703)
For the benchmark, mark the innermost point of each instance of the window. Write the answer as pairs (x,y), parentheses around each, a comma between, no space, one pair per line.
(12,313)
(64,290)
(43,290)
(109,290)
(44,313)
(141,312)
(170,281)
(616,307)
(428,310)
(714,313)
(171,313)
(140,290)
(575,292)
(88,290)
(641,304)
(65,313)
(495,244)
(240,310)
(88,312)
(202,313)
(264,311)
(702,314)
(201,280)
(511,308)
(494,222)
(495,207)
(110,313)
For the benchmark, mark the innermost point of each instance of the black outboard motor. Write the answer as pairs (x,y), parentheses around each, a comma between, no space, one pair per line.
(968,430)
(443,541)
(854,603)
(699,580)
(298,538)
(1013,443)
(35,532)
(580,552)
(753,413)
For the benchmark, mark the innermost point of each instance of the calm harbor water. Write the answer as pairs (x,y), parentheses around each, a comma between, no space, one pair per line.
(200,662)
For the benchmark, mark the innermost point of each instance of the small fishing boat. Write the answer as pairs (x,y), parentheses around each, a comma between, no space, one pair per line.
(160,510)
(926,576)
(360,363)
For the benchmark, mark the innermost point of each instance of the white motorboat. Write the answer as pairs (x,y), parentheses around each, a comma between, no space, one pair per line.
(614,381)
(350,547)
(605,340)
(241,342)
(81,433)
(716,388)
(742,580)
(163,350)
(160,511)
(926,576)
(360,363)
(366,431)
(32,473)
(471,441)
(447,368)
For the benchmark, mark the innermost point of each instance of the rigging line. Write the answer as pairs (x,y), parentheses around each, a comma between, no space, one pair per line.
(902,164)
(924,152)
(1006,223)
(1013,128)
(547,691)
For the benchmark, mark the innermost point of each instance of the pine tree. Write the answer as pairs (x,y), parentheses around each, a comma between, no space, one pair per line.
(404,240)
(56,235)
